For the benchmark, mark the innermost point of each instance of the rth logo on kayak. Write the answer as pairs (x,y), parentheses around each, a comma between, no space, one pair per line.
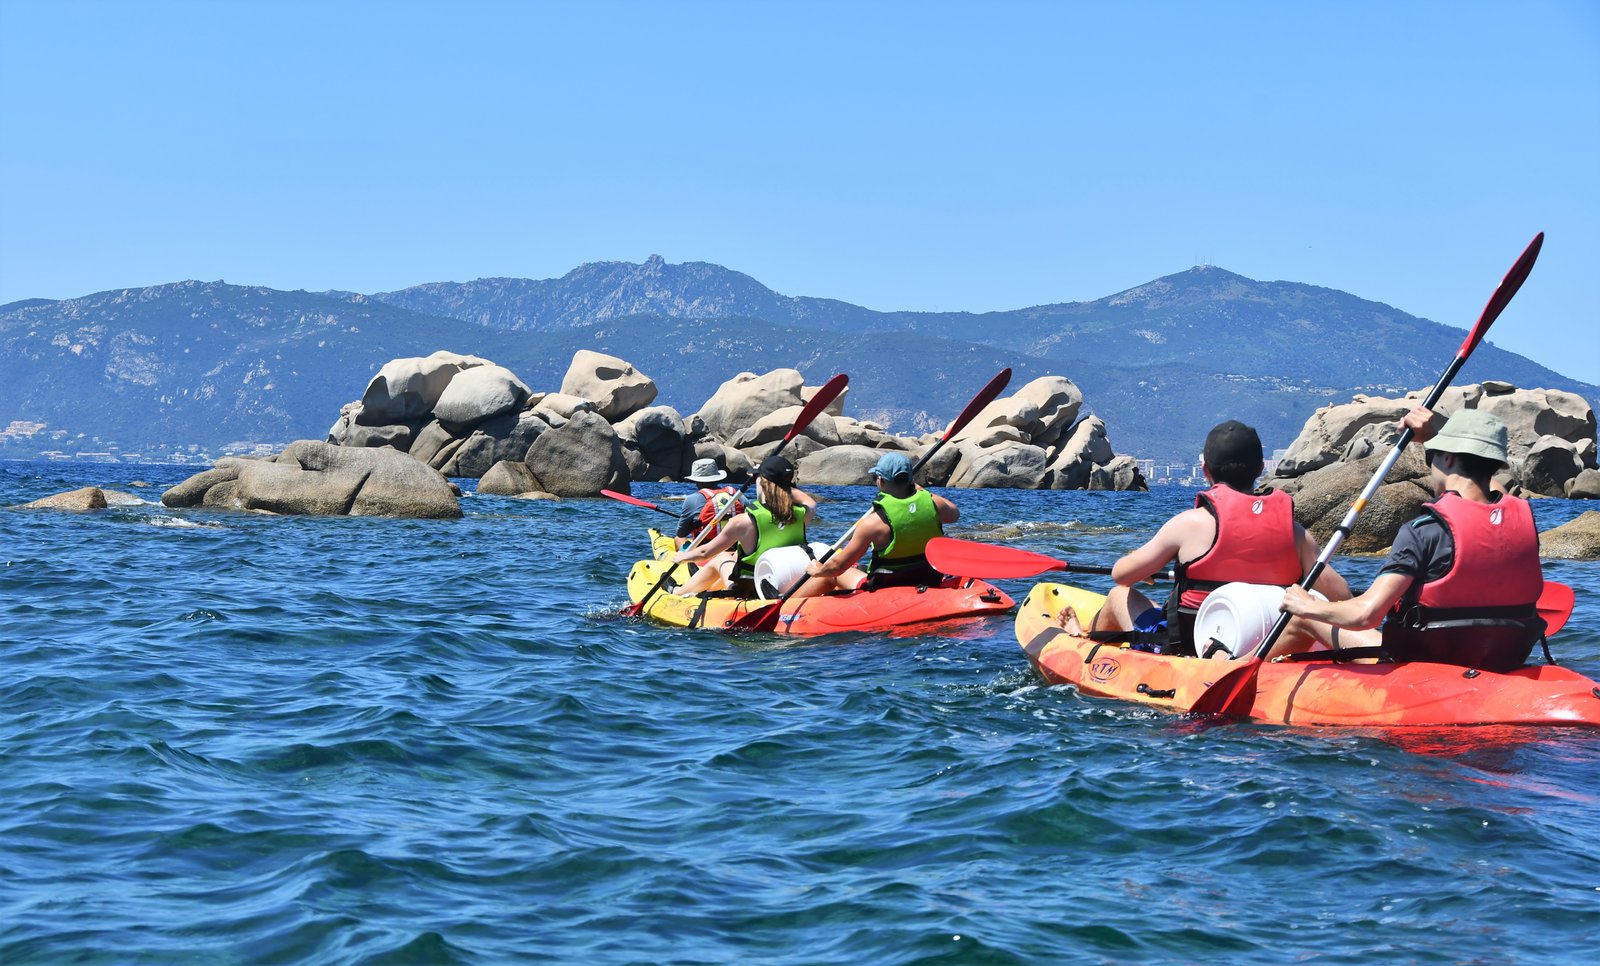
(1104,669)
(1257,507)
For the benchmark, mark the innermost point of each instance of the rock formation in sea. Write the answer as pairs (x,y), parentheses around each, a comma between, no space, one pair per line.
(1577,539)
(1551,443)
(601,431)
(84,498)
(315,478)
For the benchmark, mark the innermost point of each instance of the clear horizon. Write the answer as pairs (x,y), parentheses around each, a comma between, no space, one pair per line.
(927,157)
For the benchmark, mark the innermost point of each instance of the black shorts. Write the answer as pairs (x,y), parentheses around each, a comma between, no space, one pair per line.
(921,575)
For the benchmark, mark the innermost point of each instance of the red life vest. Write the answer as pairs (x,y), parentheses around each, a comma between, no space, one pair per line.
(716,498)
(1481,613)
(1496,562)
(1255,544)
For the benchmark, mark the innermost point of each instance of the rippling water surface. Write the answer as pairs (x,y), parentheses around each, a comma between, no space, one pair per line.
(240,738)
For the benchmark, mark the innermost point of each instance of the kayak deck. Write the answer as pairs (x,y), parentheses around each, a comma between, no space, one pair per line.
(878,610)
(1301,693)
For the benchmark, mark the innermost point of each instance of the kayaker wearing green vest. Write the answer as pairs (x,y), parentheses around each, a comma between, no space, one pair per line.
(1462,580)
(776,519)
(1233,533)
(904,518)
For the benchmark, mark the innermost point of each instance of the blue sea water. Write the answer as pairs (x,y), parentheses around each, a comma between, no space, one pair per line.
(232,738)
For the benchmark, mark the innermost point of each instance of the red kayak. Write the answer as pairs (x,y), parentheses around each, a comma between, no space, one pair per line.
(1302,693)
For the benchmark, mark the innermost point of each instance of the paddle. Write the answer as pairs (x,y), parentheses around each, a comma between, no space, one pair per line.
(765,619)
(1234,692)
(821,400)
(625,498)
(1554,606)
(966,558)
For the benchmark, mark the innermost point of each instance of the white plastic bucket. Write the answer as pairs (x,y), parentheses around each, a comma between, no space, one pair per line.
(782,566)
(1240,616)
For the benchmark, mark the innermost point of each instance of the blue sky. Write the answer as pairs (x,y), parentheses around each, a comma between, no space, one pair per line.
(896,155)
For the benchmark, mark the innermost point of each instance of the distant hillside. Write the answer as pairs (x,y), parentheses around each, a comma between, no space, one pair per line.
(212,363)
(201,362)
(1204,317)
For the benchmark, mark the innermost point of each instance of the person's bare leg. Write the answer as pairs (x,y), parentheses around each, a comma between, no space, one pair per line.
(1122,605)
(708,577)
(1305,635)
(817,586)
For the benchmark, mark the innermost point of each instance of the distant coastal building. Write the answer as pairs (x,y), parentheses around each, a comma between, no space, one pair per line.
(21,428)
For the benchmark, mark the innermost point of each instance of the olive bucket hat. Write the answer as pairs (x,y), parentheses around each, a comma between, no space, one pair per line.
(1472,432)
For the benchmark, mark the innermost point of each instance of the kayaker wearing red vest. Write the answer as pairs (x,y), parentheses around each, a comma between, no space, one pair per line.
(1232,534)
(904,518)
(701,507)
(776,519)
(1462,579)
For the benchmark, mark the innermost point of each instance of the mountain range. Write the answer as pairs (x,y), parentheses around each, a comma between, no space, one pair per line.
(208,364)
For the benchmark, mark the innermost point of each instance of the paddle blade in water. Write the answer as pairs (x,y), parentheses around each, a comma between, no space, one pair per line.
(762,620)
(1232,694)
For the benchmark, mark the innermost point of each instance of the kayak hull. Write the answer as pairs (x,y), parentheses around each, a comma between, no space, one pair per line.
(1415,694)
(853,611)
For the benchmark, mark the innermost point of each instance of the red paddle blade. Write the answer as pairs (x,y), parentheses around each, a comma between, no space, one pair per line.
(964,558)
(1502,295)
(822,400)
(1555,606)
(1231,695)
(762,620)
(990,393)
(625,498)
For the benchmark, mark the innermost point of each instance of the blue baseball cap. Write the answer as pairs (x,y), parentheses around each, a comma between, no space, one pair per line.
(892,466)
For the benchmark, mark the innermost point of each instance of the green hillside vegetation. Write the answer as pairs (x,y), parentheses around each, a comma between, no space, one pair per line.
(211,363)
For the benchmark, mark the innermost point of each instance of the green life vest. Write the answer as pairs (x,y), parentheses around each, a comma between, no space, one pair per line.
(770,534)
(913,521)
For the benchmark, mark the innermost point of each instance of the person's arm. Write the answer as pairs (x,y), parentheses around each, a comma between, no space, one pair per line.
(868,533)
(689,515)
(736,530)
(802,498)
(1159,551)
(948,512)
(1357,613)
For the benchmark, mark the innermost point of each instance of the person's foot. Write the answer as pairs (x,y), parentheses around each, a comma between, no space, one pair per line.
(1067,620)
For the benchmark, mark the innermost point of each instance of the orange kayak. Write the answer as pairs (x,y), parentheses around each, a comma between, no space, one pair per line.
(1414,694)
(874,611)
